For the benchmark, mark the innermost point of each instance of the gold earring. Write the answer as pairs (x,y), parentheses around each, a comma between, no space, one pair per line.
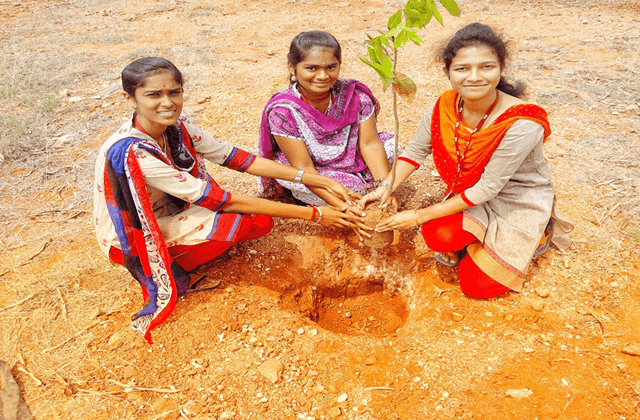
(294,78)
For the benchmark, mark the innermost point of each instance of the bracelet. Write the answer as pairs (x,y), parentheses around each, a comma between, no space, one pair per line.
(377,182)
(298,178)
(386,185)
(320,213)
(315,210)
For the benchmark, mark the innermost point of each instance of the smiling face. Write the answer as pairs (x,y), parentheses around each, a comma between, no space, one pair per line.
(317,73)
(158,102)
(475,72)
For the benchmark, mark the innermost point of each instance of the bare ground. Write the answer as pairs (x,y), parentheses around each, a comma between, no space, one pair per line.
(353,333)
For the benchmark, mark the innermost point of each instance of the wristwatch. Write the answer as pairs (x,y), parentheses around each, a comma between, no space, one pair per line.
(298,178)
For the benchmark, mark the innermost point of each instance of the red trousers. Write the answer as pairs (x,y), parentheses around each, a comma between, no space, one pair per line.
(445,234)
(191,256)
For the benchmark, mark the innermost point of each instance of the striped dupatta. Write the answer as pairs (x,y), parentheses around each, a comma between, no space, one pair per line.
(145,253)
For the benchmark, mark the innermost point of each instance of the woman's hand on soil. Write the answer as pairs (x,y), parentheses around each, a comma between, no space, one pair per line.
(378,195)
(361,230)
(403,220)
(340,191)
(339,217)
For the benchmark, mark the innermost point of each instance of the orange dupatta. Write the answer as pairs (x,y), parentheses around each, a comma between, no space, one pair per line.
(485,141)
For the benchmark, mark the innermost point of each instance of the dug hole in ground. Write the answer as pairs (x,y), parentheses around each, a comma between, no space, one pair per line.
(304,324)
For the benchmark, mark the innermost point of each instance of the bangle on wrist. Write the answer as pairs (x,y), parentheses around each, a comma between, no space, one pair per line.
(298,178)
(386,185)
(377,182)
(315,210)
(320,214)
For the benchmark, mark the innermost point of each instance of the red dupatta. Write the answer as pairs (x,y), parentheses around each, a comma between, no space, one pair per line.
(484,142)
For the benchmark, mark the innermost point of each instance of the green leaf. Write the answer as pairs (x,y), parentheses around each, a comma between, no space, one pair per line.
(392,33)
(380,62)
(451,7)
(395,19)
(375,42)
(417,14)
(431,4)
(414,37)
(386,80)
(401,40)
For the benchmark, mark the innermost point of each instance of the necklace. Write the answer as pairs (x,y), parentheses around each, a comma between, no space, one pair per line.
(456,131)
(165,143)
(330,99)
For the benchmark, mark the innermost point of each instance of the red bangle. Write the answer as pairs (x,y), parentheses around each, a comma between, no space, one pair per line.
(313,215)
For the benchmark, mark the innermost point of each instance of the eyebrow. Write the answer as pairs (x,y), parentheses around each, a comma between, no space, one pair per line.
(320,65)
(149,90)
(482,63)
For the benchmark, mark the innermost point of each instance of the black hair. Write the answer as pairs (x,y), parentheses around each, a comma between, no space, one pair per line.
(478,34)
(138,71)
(304,41)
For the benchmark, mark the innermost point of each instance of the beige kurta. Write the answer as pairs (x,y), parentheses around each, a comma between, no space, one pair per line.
(189,226)
(514,199)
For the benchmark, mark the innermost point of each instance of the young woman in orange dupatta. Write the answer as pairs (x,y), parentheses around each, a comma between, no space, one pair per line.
(487,147)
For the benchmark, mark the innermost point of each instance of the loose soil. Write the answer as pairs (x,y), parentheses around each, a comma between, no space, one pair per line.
(303,323)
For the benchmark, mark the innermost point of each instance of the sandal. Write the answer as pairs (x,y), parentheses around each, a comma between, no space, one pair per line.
(438,257)
(196,280)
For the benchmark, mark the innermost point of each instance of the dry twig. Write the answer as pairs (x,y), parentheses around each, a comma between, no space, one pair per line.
(139,388)
(19,303)
(82,331)
(44,246)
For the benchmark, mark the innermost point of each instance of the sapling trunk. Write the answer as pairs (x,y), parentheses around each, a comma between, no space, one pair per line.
(396,133)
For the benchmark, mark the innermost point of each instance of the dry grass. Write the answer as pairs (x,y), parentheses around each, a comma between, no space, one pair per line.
(56,306)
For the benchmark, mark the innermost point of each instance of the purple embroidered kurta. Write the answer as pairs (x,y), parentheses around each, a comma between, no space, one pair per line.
(331,138)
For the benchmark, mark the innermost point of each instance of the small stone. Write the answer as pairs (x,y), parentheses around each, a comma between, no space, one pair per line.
(371,318)
(509,317)
(271,370)
(300,331)
(318,388)
(334,412)
(286,334)
(227,415)
(417,379)
(342,398)
(457,317)
(537,305)
(116,340)
(632,349)
(519,393)
(488,314)
(542,291)
(313,332)
(347,314)
(370,360)
(75,99)
(567,263)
